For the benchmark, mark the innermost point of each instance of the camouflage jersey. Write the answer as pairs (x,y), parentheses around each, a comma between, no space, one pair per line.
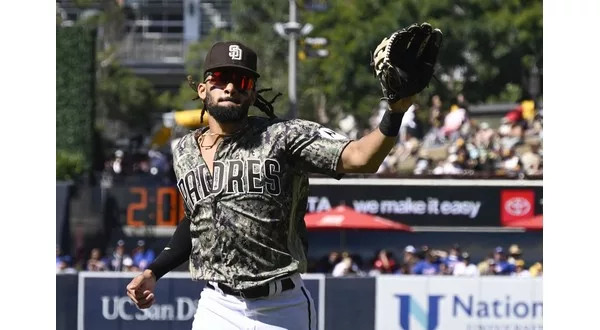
(247,218)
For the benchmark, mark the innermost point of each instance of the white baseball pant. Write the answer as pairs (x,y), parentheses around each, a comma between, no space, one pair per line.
(293,309)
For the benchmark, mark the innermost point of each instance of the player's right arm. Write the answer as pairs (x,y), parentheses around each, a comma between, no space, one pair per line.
(175,253)
(141,289)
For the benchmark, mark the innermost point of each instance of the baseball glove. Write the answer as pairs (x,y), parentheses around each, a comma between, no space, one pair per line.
(403,62)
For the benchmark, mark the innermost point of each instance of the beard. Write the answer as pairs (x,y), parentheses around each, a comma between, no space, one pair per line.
(229,113)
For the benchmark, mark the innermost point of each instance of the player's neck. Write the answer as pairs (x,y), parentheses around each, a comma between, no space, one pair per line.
(225,128)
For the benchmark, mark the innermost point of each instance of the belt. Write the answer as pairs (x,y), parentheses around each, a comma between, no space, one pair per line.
(255,292)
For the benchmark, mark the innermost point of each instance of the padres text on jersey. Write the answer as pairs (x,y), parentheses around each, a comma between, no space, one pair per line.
(247,217)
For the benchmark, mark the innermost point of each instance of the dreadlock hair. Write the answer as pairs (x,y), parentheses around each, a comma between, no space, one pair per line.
(261,103)
(266,106)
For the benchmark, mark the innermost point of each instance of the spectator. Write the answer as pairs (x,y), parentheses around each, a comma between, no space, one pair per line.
(520,270)
(484,136)
(409,258)
(453,123)
(118,257)
(326,266)
(509,163)
(435,112)
(426,264)
(443,269)
(514,254)
(423,163)
(128,265)
(412,127)
(345,267)
(464,267)
(158,162)
(348,126)
(485,267)
(389,163)
(532,159)
(63,262)
(385,262)
(450,166)
(453,257)
(536,128)
(142,257)
(404,269)
(117,164)
(95,263)
(501,264)
(536,269)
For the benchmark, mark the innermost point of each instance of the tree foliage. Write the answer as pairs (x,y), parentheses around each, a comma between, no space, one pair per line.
(127,98)
(489,49)
(96,96)
(125,102)
(75,92)
(253,25)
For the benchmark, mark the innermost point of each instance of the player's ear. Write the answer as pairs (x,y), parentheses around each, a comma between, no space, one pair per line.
(202,91)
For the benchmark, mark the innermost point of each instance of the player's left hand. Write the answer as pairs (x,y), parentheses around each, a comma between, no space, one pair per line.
(404,63)
(402,105)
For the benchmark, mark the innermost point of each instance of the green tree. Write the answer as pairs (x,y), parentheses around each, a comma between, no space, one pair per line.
(488,51)
(489,47)
(253,25)
(126,98)
(74,99)
(125,102)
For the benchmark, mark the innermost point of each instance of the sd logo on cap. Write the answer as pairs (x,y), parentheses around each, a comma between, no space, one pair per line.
(231,54)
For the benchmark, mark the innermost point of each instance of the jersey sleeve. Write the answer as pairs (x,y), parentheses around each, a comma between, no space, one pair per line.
(181,165)
(315,148)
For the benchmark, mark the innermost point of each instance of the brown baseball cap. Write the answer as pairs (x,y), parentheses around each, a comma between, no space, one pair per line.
(231,54)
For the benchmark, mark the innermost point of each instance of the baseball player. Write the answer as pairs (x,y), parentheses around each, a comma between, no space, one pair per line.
(244,182)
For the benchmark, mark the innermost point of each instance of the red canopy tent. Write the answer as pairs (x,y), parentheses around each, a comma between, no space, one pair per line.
(533,223)
(344,217)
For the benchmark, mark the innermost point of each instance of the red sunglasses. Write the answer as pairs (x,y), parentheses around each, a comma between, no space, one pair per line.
(223,77)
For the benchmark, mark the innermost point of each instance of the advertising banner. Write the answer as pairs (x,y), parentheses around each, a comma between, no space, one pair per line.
(450,303)
(464,203)
(520,204)
(103,303)
(156,210)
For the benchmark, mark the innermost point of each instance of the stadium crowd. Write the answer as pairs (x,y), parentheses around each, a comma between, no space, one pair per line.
(428,261)
(118,259)
(423,261)
(453,143)
(450,142)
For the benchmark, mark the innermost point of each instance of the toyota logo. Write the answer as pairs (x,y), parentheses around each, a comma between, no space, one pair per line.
(517,206)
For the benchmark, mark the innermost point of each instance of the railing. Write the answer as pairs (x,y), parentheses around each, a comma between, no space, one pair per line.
(153,48)
(157,34)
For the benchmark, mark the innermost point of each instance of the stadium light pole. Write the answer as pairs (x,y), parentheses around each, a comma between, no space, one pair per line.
(291,30)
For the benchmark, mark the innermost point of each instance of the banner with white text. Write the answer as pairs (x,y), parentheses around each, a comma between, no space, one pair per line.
(450,303)
(155,210)
(103,303)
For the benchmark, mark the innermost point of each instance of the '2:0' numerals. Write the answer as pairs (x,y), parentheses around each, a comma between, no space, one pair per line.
(167,201)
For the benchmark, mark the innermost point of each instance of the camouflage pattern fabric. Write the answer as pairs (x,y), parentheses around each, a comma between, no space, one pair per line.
(247,218)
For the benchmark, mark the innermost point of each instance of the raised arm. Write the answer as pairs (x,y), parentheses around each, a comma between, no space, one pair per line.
(403,63)
(366,154)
